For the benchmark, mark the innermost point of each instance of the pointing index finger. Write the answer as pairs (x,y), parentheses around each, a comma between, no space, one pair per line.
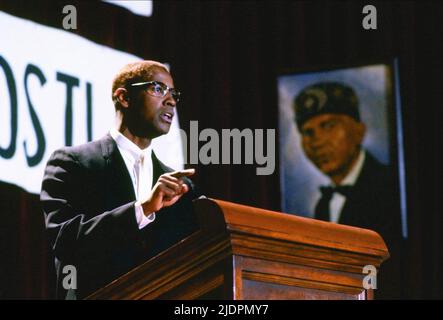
(183,173)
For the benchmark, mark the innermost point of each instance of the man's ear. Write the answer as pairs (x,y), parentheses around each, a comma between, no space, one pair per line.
(122,97)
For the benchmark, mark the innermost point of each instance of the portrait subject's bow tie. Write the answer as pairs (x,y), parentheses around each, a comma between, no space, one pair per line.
(327,191)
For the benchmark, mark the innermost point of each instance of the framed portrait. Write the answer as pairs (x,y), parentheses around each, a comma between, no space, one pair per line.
(315,103)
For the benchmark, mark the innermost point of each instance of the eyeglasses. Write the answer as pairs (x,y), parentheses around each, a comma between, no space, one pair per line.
(158,89)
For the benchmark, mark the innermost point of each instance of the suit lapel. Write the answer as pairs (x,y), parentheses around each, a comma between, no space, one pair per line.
(158,168)
(351,214)
(119,189)
(118,186)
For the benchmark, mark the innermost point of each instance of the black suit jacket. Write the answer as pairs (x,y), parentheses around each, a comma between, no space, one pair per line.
(88,200)
(374,203)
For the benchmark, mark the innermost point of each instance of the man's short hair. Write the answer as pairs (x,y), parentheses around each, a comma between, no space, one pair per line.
(325,97)
(136,72)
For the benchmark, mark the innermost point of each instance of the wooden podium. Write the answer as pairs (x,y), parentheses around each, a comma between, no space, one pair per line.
(242,252)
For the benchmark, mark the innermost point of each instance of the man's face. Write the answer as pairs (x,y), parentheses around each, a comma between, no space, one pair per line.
(332,142)
(150,116)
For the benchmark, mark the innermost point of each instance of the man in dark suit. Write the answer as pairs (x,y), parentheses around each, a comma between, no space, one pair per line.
(362,192)
(111,204)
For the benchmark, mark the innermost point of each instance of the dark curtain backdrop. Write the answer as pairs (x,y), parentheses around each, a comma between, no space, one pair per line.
(225,57)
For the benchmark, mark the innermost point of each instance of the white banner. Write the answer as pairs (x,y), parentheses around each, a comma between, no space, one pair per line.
(55,90)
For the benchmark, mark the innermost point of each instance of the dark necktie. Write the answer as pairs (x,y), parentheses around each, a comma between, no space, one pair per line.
(322,211)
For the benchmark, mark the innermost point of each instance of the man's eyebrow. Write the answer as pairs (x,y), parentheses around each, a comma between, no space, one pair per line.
(329,120)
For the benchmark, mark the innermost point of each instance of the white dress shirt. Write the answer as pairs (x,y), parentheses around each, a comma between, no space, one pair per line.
(139,165)
(338,200)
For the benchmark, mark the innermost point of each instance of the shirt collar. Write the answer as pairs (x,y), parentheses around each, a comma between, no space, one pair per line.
(352,176)
(129,147)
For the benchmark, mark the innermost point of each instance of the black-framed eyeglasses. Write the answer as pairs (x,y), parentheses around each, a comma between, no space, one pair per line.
(158,89)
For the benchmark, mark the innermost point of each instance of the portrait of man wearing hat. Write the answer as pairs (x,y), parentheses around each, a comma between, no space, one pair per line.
(362,191)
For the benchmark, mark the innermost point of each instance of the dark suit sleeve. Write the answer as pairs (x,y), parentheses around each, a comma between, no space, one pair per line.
(73,233)
(194,191)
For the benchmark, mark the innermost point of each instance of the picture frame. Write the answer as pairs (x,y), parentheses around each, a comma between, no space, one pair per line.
(376,85)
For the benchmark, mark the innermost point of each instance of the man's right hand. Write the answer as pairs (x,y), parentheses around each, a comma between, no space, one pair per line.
(169,188)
